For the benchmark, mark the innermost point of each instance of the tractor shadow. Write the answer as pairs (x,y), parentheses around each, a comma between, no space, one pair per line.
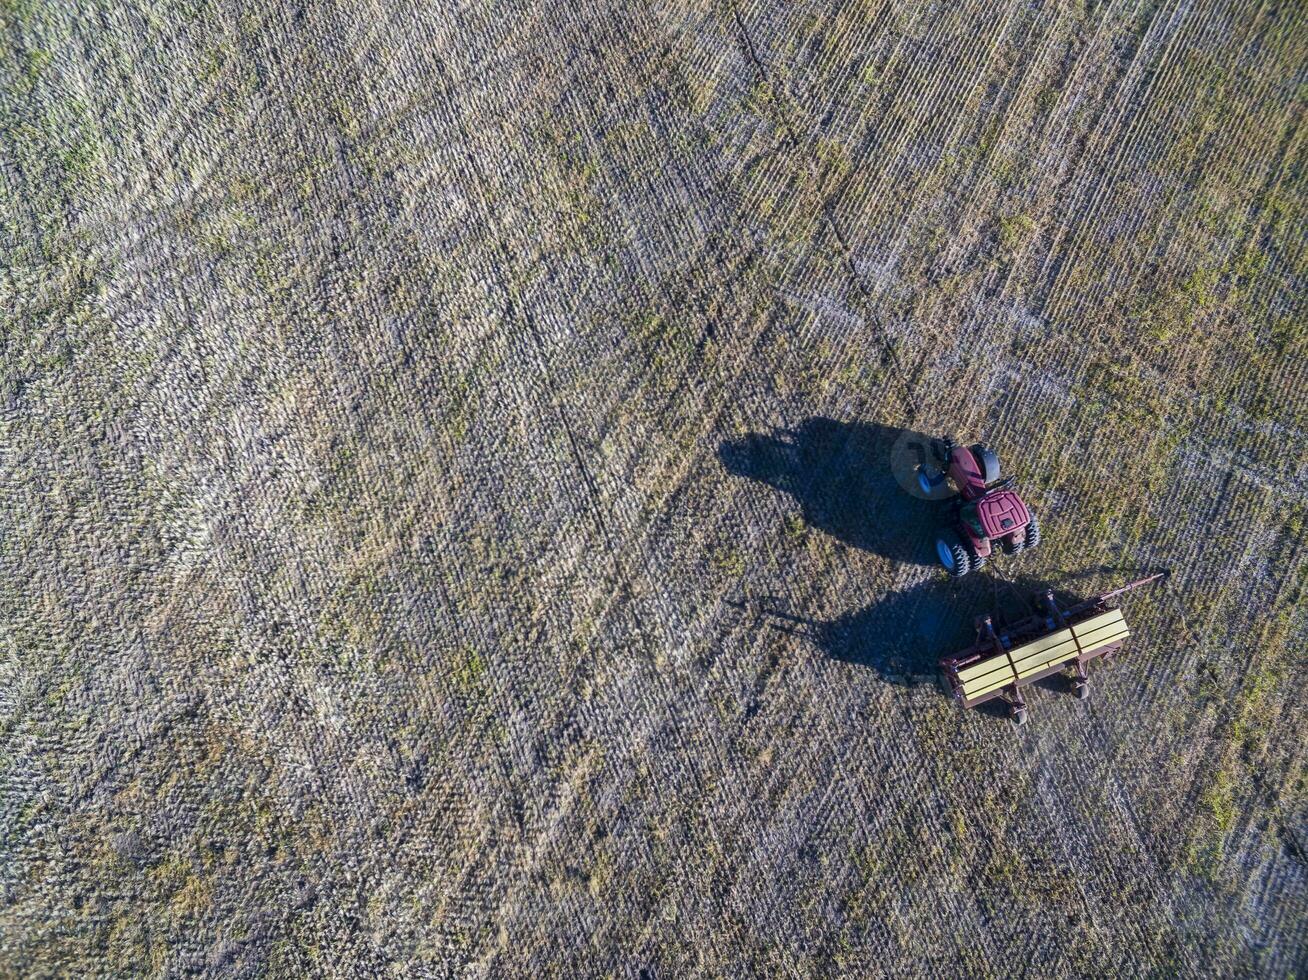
(852,480)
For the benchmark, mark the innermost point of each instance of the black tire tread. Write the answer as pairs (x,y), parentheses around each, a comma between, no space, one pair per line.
(988,461)
(1032,534)
(962,560)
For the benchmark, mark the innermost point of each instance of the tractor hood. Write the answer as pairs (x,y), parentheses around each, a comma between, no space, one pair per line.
(1002,514)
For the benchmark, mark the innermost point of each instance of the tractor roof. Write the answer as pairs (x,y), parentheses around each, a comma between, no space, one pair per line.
(1002,513)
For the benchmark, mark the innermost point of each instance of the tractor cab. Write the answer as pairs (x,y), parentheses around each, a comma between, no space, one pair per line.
(984,511)
(996,516)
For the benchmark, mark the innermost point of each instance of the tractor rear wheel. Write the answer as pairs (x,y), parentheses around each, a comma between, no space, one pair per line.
(988,461)
(978,561)
(1032,533)
(953,556)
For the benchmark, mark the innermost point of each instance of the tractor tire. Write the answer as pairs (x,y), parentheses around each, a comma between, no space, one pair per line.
(933,486)
(953,556)
(988,461)
(1013,546)
(978,562)
(1032,533)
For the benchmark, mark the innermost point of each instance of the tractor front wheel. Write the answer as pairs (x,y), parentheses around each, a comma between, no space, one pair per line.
(953,556)
(1032,533)
(987,461)
(1013,545)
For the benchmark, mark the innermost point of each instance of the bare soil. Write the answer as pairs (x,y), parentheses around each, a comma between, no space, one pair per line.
(449,516)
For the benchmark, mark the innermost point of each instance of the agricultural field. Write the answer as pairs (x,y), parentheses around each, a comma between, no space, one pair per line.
(452,519)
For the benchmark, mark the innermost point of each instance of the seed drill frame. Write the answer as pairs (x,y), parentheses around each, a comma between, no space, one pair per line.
(1004,660)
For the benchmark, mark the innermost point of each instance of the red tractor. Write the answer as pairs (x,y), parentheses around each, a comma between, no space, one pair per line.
(985,513)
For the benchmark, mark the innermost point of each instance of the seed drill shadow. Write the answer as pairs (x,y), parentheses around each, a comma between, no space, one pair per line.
(900,637)
(840,475)
(903,635)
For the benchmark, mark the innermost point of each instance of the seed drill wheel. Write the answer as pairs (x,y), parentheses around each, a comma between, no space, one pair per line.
(1018,715)
(945,687)
(1081,689)
(953,556)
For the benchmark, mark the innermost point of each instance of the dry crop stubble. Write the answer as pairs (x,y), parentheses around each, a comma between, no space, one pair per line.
(446,526)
